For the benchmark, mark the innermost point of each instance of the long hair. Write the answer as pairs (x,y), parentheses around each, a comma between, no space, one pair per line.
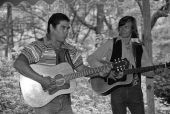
(134,29)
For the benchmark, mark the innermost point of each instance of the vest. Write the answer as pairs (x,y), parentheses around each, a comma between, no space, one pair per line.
(137,53)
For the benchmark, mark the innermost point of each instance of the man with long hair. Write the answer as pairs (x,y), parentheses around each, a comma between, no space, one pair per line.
(126,45)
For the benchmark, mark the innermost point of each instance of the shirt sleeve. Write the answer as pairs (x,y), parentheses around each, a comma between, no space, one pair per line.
(75,56)
(32,52)
(104,52)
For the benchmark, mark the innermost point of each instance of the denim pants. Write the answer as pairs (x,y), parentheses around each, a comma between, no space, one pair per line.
(59,105)
(131,97)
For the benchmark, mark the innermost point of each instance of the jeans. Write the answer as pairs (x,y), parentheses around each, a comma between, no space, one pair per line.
(59,105)
(131,97)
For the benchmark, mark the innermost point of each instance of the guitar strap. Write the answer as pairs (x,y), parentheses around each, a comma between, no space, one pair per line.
(60,57)
(69,58)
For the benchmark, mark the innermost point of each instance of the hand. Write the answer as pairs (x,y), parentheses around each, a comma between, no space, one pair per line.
(115,75)
(105,72)
(166,71)
(118,75)
(48,84)
(159,71)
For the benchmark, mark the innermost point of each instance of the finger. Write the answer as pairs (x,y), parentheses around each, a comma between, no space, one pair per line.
(121,73)
(101,73)
(104,62)
(53,82)
(45,89)
(52,88)
(51,92)
(48,77)
(96,74)
(108,69)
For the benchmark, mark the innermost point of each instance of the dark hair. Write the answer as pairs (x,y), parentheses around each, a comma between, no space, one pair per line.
(134,29)
(55,19)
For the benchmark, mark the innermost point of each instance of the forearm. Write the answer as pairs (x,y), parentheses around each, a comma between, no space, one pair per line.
(94,61)
(25,69)
(103,53)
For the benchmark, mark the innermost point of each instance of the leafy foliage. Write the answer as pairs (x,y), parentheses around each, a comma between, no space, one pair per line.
(85,101)
(161,54)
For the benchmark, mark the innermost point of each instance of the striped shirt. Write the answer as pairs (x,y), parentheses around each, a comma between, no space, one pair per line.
(37,52)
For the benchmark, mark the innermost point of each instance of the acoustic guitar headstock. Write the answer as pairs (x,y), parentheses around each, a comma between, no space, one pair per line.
(120,64)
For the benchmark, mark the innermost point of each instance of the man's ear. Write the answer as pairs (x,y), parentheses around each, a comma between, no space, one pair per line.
(47,41)
(51,28)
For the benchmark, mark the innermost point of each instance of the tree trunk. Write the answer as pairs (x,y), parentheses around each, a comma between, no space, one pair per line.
(148,43)
(9,40)
(100,18)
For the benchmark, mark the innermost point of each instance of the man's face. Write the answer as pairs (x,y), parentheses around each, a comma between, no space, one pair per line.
(125,30)
(59,34)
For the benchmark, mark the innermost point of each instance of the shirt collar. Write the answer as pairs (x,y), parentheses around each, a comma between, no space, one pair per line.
(131,40)
(65,45)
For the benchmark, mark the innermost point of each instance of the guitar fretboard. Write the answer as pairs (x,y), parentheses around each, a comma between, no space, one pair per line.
(85,72)
(143,69)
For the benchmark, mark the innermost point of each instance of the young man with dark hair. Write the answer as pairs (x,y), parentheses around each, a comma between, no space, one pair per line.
(52,49)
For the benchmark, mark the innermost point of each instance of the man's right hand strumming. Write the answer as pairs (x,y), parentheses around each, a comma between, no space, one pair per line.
(48,84)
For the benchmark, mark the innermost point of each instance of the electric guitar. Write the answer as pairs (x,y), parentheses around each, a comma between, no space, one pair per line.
(35,96)
(104,86)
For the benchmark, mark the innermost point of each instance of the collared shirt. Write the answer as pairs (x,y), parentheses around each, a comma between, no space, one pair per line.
(37,51)
(104,52)
(127,51)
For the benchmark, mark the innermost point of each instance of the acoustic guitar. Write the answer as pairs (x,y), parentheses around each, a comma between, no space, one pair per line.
(35,96)
(103,86)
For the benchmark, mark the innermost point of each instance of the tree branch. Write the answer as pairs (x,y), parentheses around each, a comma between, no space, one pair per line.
(162,12)
(82,21)
(85,36)
(108,24)
(140,6)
